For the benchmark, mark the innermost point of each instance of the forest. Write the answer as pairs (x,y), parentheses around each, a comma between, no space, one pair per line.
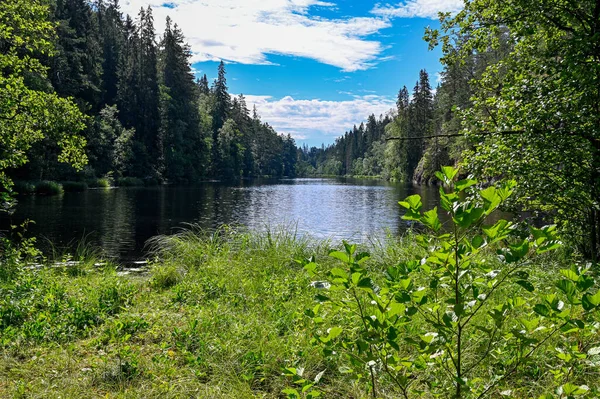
(145,114)
(489,287)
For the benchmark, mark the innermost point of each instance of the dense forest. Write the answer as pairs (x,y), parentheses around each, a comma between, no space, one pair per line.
(147,115)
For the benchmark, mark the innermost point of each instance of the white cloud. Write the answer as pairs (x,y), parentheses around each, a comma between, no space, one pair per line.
(418,8)
(317,118)
(247,31)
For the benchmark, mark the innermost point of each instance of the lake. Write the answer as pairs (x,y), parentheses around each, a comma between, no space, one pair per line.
(120,220)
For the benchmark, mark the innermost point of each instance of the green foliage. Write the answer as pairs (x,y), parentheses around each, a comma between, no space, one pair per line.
(16,249)
(48,188)
(164,277)
(534,115)
(28,114)
(453,320)
(103,182)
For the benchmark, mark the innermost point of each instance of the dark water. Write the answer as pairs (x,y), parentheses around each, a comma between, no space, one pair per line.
(120,220)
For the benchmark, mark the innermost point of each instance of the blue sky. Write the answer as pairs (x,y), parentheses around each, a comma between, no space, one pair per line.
(313,68)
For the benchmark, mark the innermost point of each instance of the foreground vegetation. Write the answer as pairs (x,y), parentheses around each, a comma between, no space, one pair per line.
(469,313)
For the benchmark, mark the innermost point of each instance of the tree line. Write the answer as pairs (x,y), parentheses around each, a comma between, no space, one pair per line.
(147,115)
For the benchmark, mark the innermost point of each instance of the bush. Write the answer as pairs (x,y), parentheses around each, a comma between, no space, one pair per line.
(46,187)
(74,186)
(102,182)
(129,182)
(458,322)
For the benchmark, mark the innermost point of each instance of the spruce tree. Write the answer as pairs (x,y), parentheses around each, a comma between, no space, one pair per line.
(148,114)
(76,67)
(183,144)
(221,110)
(112,35)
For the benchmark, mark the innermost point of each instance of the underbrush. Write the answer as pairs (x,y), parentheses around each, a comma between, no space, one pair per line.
(228,314)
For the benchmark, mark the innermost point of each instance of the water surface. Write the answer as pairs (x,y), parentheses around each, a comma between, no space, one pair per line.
(120,220)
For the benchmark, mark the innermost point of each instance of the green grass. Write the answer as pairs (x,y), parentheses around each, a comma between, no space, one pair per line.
(46,187)
(220,315)
(102,182)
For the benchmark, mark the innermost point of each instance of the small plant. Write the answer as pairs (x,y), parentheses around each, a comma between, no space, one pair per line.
(306,385)
(16,250)
(114,295)
(74,186)
(453,324)
(127,367)
(46,187)
(165,276)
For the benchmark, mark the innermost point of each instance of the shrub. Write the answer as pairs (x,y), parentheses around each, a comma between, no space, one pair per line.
(129,182)
(74,186)
(454,322)
(102,182)
(46,187)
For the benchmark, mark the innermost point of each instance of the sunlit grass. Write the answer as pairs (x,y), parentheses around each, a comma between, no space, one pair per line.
(219,315)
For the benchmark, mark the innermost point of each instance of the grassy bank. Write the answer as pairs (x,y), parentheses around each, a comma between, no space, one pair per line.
(218,316)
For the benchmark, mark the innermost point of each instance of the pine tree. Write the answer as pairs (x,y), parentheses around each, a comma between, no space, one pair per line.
(148,114)
(221,110)
(111,32)
(203,85)
(183,144)
(127,78)
(76,68)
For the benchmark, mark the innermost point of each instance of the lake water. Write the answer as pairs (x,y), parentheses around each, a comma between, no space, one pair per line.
(120,220)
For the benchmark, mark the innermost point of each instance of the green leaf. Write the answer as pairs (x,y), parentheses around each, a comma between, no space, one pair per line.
(337,272)
(412,202)
(542,309)
(448,174)
(568,287)
(589,302)
(491,199)
(431,220)
(366,283)
(570,274)
(340,255)
(461,185)
(526,284)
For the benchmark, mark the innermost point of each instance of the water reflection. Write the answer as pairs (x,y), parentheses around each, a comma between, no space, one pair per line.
(121,220)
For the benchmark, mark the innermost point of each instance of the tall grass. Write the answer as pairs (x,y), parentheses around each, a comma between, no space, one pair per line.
(102,182)
(46,187)
(220,315)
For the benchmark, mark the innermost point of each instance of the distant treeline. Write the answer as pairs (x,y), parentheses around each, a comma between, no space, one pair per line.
(407,144)
(148,117)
